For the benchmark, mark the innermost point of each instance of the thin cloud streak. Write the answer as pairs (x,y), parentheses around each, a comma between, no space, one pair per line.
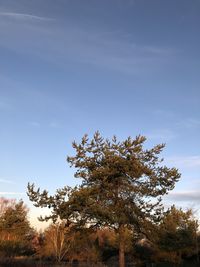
(188,196)
(190,123)
(34,124)
(162,135)
(115,52)
(54,125)
(23,16)
(185,161)
(6,181)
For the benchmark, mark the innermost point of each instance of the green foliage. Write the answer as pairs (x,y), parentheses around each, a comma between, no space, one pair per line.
(119,182)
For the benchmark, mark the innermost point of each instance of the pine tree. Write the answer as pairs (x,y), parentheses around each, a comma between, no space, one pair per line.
(122,185)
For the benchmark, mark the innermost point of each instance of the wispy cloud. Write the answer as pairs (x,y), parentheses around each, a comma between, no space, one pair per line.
(167,114)
(189,123)
(86,45)
(185,161)
(162,135)
(119,53)
(189,196)
(23,16)
(54,125)
(34,124)
(6,181)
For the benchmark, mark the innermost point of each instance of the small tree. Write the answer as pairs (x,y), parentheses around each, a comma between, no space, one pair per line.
(122,185)
(58,240)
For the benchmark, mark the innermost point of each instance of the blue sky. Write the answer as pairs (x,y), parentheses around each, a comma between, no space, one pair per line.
(70,67)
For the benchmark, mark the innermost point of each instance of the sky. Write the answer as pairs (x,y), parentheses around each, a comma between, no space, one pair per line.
(123,67)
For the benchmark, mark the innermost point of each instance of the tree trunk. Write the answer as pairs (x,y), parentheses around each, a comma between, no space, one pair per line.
(121,247)
(121,254)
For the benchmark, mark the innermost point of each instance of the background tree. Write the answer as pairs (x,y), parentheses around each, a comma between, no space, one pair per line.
(177,235)
(122,185)
(15,231)
(86,247)
(108,243)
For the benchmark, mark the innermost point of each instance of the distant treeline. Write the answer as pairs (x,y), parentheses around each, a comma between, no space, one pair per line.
(174,240)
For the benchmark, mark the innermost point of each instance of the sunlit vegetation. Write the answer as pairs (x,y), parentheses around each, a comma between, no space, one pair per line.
(174,239)
(113,218)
